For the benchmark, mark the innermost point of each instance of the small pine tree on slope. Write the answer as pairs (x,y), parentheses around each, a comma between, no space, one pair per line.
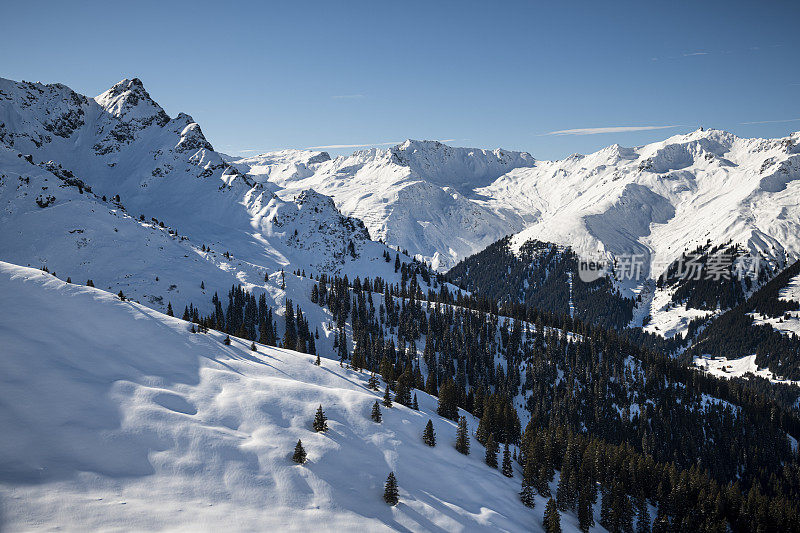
(491,451)
(376,412)
(387,397)
(390,493)
(552,520)
(526,495)
(429,436)
(320,420)
(507,470)
(299,456)
(462,436)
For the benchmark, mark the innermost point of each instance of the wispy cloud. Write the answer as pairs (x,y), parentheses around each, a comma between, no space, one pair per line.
(610,129)
(391,143)
(690,54)
(334,146)
(347,96)
(772,121)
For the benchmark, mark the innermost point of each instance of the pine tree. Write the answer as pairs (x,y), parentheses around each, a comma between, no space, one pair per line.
(429,436)
(376,412)
(387,397)
(89,283)
(462,436)
(491,451)
(526,495)
(169,309)
(121,295)
(552,520)
(414,404)
(390,493)
(320,421)
(373,382)
(227,341)
(586,498)
(317,361)
(253,347)
(299,453)
(507,468)
(642,516)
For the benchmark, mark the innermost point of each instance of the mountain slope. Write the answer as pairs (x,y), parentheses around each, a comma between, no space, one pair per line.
(111,189)
(418,195)
(115,416)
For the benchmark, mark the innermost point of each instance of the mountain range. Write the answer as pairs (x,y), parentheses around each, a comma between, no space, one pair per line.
(452,273)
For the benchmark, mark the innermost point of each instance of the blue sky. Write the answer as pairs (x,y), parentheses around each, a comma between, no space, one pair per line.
(264,76)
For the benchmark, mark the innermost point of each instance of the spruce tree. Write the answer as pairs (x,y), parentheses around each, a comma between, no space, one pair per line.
(507,468)
(253,347)
(552,520)
(169,309)
(89,283)
(387,397)
(491,451)
(414,404)
(586,498)
(526,495)
(376,412)
(390,493)
(318,361)
(642,516)
(429,436)
(373,382)
(299,456)
(320,421)
(462,436)
(227,341)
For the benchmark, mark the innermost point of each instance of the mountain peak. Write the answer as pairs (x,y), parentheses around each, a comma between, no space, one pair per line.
(129,100)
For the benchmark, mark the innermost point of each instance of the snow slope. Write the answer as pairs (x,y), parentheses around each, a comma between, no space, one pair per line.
(723,367)
(114,416)
(786,324)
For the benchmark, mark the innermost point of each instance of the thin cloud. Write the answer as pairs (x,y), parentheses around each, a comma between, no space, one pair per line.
(690,54)
(772,121)
(610,129)
(392,143)
(334,146)
(347,96)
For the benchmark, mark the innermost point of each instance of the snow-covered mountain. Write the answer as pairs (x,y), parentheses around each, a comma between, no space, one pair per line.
(114,190)
(418,195)
(657,200)
(661,199)
(115,416)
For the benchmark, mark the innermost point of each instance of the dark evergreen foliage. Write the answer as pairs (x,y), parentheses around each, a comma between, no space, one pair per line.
(299,453)
(376,412)
(429,436)
(320,420)
(491,452)
(391,493)
(462,436)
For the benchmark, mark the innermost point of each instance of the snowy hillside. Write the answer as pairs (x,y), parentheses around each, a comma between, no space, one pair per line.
(115,416)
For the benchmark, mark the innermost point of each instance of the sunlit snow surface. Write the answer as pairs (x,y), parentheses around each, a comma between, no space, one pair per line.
(115,416)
